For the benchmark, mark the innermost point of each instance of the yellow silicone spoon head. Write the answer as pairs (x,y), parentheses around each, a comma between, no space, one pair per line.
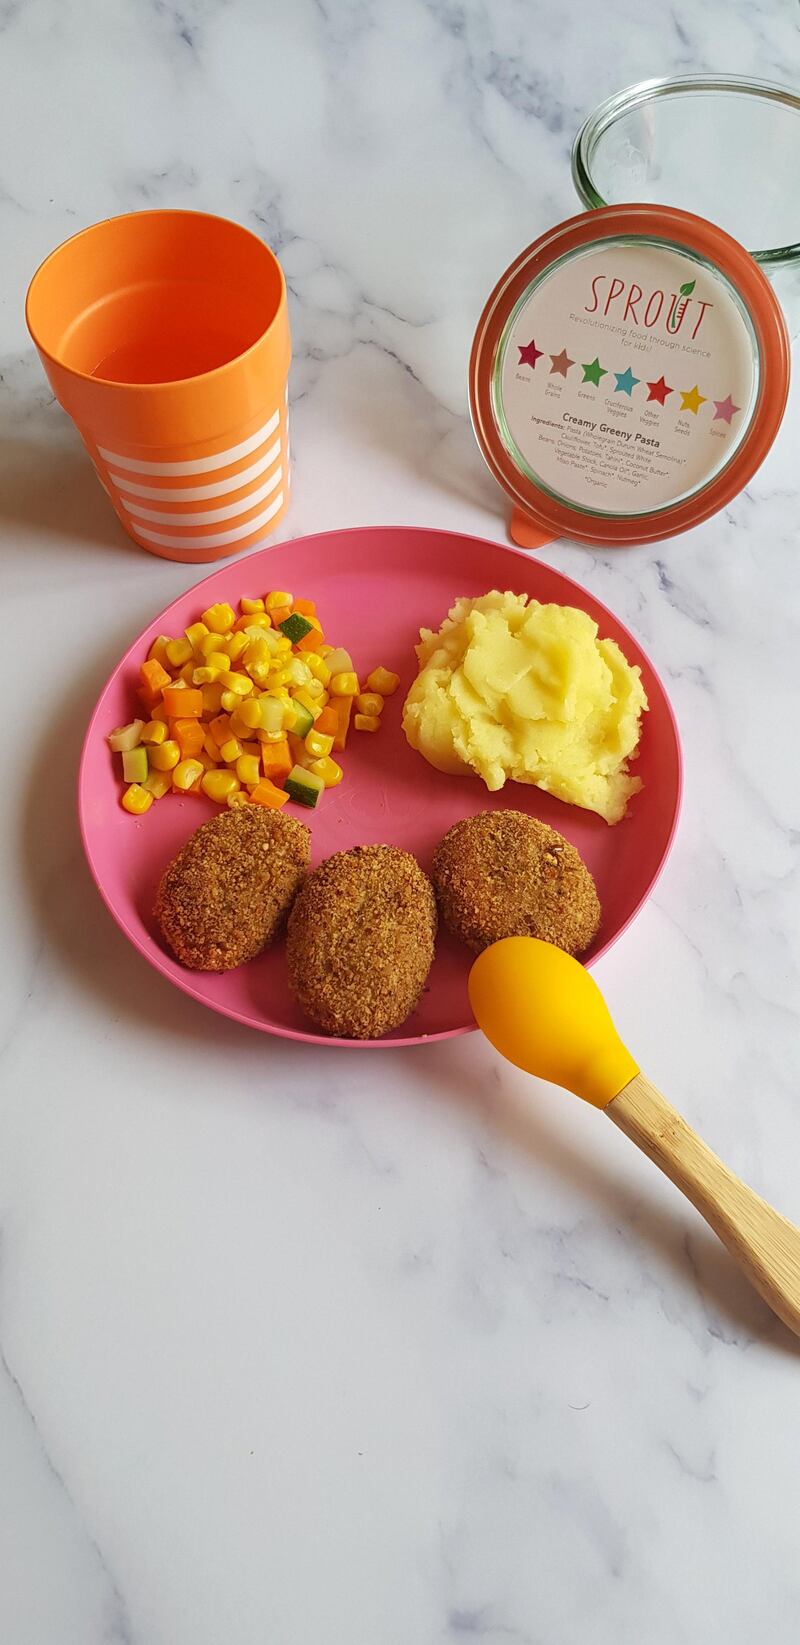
(542,1011)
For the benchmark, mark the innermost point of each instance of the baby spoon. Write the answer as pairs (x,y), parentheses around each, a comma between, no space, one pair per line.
(542,1011)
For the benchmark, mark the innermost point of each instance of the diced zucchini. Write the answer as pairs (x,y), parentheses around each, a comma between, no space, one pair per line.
(273,712)
(339,661)
(303,719)
(298,672)
(126,737)
(135,765)
(295,627)
(304,787)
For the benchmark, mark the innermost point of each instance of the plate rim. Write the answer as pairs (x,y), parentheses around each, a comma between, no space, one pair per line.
(158,961)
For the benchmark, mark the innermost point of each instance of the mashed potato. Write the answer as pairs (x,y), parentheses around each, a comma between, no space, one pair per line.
(512,688)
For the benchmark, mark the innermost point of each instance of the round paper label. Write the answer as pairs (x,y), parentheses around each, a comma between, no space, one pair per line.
(626,377)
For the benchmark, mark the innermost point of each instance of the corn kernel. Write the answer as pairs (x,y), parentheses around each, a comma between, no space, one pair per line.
(212,699)
(277,598)
(230,750)
(230,701)
(237,799)
(240,684)
(154,732)
(319,667)
(186,774)
(166,757)
(344,685)
(158,783)
(236,647)
(204,676)
(366,722)
(213,652)
(383,681)
(369,702)
(325,697)
(158,650)
(247,607)
(186,672)
(137,799)
(253,624)
(219,785)
(282,646)
(279,676)
(316,689)
(179,652)
(318,744)
(248,769)
(328,770)
(247,717)
(194,634)
(324,651)
(219,618)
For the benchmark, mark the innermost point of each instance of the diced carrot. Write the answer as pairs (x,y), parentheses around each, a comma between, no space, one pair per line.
(184,705)
(267,794)
(306,608)
(328,722)
(279,613)
(276,760)
(341,707)
(189,735)
(310,641)
(220,729)
(154,676)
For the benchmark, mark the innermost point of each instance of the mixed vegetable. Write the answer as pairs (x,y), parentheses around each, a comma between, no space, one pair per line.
(246,709)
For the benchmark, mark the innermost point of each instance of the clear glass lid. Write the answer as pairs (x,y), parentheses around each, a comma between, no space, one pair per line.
(723,147)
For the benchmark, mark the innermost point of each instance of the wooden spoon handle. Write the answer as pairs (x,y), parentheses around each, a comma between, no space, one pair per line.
(764,1244)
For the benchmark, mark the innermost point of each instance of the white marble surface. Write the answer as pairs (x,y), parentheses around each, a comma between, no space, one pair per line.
(379,1349)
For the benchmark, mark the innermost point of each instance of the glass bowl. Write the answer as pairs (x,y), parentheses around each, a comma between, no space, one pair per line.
(722,146)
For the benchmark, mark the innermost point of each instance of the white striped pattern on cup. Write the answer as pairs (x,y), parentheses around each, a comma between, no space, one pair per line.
(202,508)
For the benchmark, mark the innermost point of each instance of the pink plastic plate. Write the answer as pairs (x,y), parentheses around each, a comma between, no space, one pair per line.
(374,588)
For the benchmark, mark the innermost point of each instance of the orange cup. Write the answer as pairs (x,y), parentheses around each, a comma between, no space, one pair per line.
(165,336)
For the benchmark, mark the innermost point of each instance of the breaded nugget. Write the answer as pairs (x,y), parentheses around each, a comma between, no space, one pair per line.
(360,941)
(502,874)
(226,894)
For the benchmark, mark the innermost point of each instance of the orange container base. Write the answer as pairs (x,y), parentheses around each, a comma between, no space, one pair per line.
(203,507)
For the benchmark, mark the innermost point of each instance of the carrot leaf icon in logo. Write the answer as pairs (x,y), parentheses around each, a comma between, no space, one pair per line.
(679,305)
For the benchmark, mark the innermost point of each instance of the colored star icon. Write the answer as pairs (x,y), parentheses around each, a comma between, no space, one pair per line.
(692,399)
(724,410)
(529,354)
(560,364)
(626,382)
(593,371)
(659,391)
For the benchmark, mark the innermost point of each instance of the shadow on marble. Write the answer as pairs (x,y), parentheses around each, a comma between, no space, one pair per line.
(679,1240)
(52,490)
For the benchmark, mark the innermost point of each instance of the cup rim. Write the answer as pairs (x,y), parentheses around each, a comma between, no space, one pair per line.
(171,383)
(643,91)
